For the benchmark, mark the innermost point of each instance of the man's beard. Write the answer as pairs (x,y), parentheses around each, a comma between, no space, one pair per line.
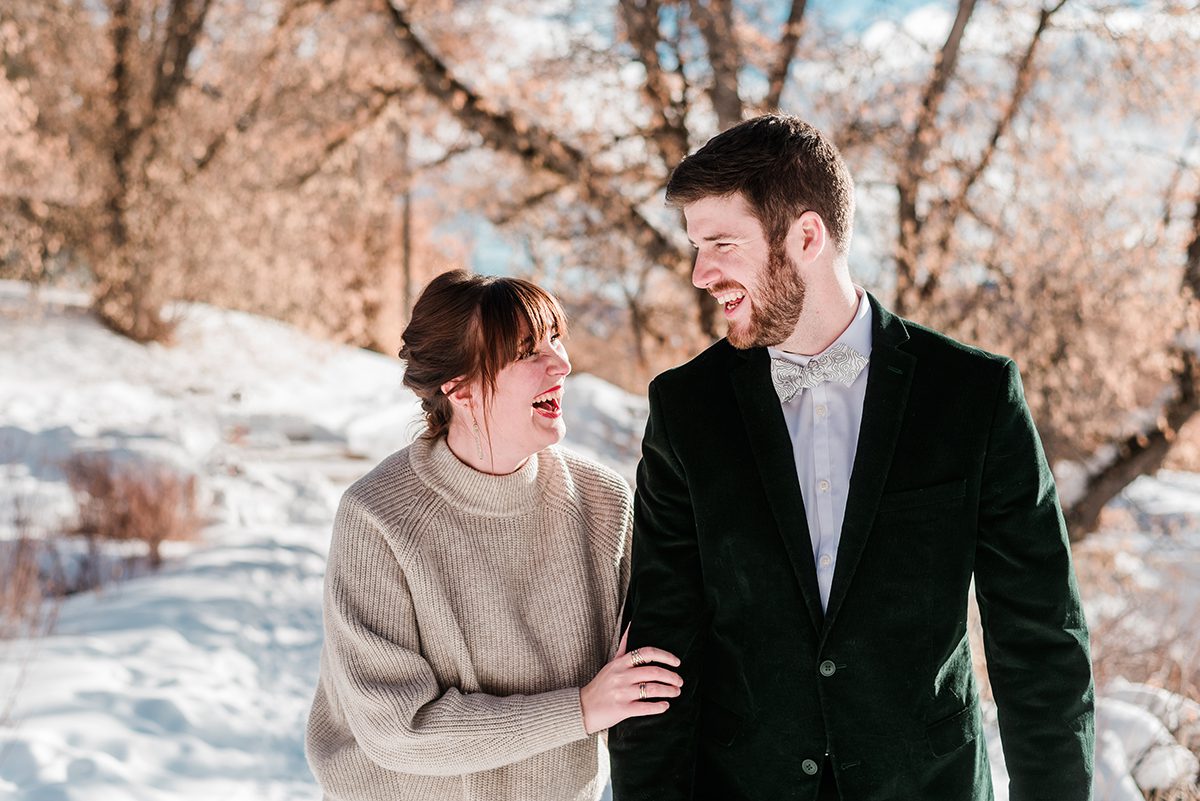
(776,306)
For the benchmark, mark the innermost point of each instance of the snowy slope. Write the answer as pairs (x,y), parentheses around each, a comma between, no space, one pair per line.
(194,682)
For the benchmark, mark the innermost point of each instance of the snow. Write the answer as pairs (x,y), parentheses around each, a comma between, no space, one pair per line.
(194,681)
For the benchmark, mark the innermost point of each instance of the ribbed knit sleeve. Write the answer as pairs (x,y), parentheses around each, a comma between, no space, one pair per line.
(388,693)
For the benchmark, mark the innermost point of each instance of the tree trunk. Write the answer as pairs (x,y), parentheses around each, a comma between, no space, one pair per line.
(787,52)
(406,286)
(715,20)
(912,168)
(1144,452)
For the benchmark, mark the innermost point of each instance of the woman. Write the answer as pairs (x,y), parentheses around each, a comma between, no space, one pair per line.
(475,578)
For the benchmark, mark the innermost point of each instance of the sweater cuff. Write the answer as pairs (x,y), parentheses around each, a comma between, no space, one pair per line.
(562,715)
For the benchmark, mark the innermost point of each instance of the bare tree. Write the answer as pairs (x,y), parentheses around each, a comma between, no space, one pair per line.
(215,150)
(1021,179)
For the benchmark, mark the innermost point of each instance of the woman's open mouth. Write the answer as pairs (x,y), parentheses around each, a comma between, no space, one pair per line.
(549,403)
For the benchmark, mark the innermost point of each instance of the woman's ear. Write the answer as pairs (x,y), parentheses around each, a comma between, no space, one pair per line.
(458,391)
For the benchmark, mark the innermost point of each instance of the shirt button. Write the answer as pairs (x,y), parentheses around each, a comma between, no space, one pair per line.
(823,485)
(809,767)
(827,668)
(826,560)
(820,410)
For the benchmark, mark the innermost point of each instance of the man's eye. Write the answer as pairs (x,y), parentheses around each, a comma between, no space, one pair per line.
(723,246)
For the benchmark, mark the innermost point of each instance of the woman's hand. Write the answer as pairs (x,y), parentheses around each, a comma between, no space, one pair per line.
(618,689)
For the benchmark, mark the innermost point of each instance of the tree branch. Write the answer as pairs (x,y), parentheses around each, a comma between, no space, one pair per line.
(363,118)
(1021,86)
(925,134)
(243,120)
(511,212)
(785,53)
(183,31)
(507,131)
(912,169)
(666,125)
(724,57)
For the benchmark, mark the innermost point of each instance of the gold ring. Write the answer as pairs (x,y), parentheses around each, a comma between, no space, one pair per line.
(642,691)
(637,658)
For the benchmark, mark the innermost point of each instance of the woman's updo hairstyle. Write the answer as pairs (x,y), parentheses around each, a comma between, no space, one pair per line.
(470,327)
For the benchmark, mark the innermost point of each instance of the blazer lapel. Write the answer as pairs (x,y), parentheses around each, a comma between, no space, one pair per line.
(772,446)
(889,378)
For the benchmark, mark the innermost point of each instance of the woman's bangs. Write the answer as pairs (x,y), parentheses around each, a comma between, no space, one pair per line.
(541,314)
(515,316)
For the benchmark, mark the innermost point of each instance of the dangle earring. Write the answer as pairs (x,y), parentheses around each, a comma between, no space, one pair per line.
(478,439)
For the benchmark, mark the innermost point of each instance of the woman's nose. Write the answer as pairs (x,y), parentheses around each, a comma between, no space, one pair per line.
(561,363)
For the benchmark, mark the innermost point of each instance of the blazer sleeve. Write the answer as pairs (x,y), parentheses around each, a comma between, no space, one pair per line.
(653,757)
(388,693)
(1035,635)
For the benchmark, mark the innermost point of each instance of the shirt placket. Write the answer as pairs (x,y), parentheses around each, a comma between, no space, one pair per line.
(823,462)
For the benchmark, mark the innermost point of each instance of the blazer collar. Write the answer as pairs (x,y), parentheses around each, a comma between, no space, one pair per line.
(888,380)
(888,384)
(766,428)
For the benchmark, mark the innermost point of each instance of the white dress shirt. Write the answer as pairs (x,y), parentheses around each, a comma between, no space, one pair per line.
(823,423)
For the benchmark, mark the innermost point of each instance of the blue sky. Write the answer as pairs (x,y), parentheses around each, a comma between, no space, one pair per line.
(860,13)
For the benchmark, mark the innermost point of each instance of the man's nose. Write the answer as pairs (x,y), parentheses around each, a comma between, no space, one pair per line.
(703,274)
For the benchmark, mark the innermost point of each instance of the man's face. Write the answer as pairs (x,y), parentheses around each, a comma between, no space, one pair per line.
(758,286)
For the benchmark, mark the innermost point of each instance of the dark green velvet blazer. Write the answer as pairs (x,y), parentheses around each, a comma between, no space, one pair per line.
(949,482)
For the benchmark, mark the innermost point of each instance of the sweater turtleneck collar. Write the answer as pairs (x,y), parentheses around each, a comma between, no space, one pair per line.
(471,490)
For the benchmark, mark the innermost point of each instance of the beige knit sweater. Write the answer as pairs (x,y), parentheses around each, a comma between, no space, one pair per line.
(463,612)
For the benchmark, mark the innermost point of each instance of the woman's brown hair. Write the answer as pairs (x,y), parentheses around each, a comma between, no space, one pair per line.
(470,327)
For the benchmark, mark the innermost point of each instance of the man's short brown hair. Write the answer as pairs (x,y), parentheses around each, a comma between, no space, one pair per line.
(782,166)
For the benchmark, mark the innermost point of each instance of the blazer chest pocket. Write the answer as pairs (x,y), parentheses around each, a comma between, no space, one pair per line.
(924,501)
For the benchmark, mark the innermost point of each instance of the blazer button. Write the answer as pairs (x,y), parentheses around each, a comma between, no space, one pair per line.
(809,767)
(828,668)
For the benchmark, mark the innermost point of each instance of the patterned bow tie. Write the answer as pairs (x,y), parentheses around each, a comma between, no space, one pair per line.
(842,364)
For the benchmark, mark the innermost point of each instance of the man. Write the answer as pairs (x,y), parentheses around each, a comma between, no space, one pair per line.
(816,493)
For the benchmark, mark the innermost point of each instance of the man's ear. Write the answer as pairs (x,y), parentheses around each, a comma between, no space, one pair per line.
(807,237)
(458,391)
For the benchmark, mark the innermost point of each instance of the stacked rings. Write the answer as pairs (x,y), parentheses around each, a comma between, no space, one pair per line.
(642,691)
(636,658)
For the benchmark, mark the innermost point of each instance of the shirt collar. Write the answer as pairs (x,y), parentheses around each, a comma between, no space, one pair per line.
(857,335)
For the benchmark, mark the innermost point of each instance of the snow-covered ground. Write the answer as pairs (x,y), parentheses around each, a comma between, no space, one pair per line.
(194,681)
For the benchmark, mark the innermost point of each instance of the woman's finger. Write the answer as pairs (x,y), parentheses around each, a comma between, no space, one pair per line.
(624,641)
(653,690)
(649,653)
(641,709)
(652,673)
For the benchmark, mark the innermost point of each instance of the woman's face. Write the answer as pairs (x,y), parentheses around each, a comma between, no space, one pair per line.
(525,414)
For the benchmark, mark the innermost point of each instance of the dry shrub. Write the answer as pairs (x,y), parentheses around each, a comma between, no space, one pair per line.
(118,501)
(1139,633)
(1142,631)
(23,593)
(28,602)
(1181,792)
